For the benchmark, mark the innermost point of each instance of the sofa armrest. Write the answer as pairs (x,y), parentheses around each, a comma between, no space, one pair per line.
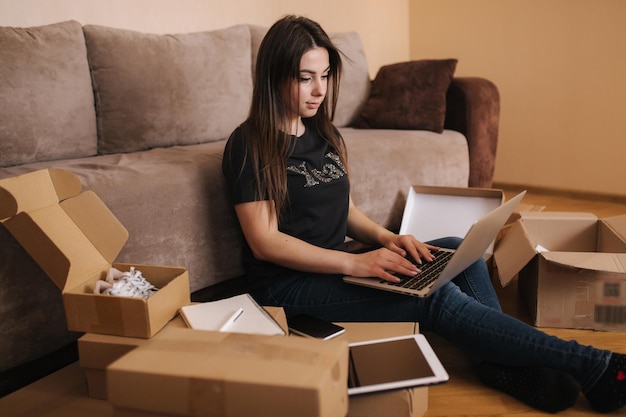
(473,108)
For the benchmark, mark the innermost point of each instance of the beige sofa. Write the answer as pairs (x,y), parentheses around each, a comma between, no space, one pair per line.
(142,120)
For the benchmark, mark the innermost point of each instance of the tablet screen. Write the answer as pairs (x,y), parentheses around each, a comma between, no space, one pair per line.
(392,364)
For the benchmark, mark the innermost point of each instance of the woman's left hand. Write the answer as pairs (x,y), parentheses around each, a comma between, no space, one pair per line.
(409,246)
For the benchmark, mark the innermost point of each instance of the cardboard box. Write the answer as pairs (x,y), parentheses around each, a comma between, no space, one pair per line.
(433,212)
(75,238)
(202,373)
(522,208)
(97,351)
(412,402)
(572,268)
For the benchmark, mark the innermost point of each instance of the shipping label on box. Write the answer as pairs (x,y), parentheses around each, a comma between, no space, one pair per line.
(564,297)
(609,305)
(75,238)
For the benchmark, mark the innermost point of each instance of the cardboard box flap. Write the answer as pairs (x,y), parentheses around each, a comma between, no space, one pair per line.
(70,240)
(105,232)
(8,205)
(37,189)
(612,234)
(447,203)
(561,231)
(593,261)
(39,246)
(513,252)
(57,245)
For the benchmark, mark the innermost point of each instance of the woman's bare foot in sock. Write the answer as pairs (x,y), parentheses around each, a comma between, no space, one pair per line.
(609,392)
(545,389)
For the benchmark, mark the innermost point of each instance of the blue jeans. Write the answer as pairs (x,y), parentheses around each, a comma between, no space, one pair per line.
(466,312)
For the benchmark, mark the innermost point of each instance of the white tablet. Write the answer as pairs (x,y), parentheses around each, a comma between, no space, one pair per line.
(393,363)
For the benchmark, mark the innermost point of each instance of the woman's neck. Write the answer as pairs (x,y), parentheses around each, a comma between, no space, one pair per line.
(297,127)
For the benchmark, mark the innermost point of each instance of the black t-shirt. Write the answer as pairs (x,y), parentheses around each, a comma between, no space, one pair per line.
(318,196)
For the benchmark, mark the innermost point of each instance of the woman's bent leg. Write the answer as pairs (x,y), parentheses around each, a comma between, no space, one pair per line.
(474,281)
(490,334)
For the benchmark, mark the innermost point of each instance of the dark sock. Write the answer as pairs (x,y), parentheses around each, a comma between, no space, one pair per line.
(609,393)
(545,389)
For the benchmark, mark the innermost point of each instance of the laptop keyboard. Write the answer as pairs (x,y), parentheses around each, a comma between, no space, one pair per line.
(430,272)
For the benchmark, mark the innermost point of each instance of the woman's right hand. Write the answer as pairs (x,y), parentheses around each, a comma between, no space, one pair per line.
(381,263)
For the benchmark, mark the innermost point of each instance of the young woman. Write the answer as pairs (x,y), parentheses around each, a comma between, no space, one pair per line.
(287,171)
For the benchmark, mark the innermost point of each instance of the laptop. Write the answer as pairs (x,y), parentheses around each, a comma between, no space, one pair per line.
(448,263)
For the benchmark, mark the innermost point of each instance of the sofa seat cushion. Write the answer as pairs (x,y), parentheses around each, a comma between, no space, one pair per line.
(172,202)
(381,173)
(163,90)
(46,100)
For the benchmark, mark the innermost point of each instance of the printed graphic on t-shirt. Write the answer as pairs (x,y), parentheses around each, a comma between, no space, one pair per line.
(330,171)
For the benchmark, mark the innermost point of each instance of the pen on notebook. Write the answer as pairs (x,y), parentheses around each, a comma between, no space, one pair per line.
(232,319)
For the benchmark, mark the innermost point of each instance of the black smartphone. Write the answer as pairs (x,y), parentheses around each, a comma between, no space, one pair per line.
(309,326)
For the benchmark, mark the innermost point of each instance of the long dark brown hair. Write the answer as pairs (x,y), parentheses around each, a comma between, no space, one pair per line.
(268,123)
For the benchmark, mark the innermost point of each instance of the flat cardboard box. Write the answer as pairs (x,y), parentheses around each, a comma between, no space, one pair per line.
(204,373)
(75,238)
(433,212)
(97,351)
(571,267)
(412,402)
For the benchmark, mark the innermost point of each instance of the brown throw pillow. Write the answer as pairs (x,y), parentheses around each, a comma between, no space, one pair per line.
(409,95)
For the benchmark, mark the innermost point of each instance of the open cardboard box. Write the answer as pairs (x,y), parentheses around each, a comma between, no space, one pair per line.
(571,266)
(433,212)
(97,351)
(203,373)
(75,238)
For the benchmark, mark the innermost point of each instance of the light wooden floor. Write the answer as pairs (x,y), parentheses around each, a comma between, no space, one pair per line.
(464,395)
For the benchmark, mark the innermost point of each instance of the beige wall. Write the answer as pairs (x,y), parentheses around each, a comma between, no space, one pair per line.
(560,66)
(383,26)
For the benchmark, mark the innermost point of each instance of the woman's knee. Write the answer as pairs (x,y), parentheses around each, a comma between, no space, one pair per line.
(441,303)
(450,242)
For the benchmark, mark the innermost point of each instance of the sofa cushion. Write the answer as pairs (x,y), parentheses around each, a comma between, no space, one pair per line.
(355,80)
(409,95)
(385,163)
(162,90)
(46,100)
(257,33)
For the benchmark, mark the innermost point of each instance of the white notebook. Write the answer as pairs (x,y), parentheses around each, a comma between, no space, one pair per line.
(238,314)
